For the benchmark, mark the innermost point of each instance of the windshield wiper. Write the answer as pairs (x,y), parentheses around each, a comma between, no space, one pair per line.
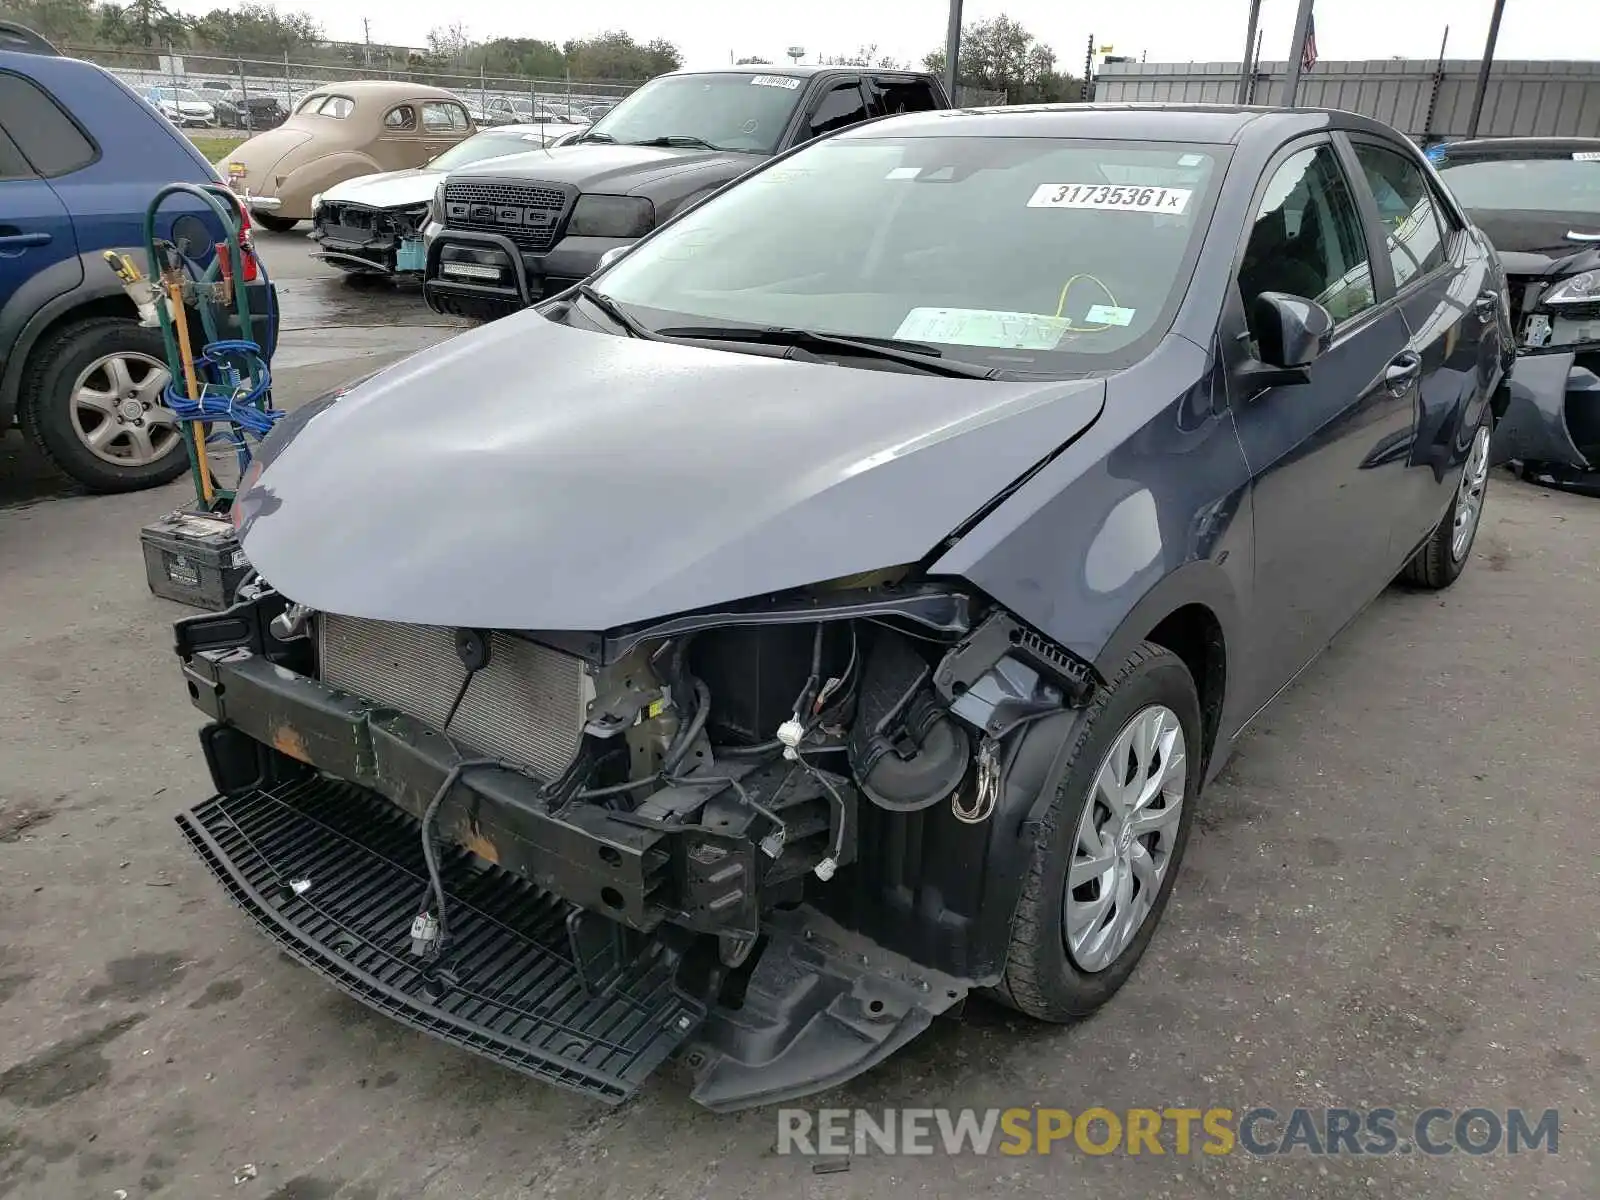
(593,137)
(614,310)
(678,139)
(912,354)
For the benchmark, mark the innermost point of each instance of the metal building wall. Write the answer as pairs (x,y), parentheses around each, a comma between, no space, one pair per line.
(1414,95)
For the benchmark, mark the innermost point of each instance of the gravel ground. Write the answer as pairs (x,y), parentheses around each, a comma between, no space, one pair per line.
(1389,901)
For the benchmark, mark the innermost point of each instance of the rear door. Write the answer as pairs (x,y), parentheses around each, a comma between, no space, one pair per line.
(1445,290)
(401,143)
(36,232)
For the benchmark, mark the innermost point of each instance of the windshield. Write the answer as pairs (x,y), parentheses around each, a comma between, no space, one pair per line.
(734,110)
(183,94)
(1560,185)
(1032,255)
(486,145)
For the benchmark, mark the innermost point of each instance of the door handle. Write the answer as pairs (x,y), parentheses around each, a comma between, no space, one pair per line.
(21,241)
(1402,371)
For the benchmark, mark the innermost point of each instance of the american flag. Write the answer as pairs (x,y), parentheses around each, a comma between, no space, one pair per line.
(1308,56)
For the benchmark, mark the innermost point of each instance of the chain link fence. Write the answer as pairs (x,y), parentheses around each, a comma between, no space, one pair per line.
(289,80)
(971,97)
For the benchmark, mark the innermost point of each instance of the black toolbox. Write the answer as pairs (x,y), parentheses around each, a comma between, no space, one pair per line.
(194,558)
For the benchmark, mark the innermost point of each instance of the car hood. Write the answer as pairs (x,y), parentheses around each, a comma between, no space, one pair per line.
(597,167)
(1536,243)
(387,189)
(625,480)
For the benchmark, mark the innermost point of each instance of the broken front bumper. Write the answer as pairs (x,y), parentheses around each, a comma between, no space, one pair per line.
(1552,414)
(562,961)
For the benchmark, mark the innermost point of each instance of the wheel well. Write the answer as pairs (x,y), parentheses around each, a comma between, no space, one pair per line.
(1194,635)
(114,305)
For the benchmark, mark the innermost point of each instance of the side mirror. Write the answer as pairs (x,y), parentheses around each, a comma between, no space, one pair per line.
(1291,333)
(610,256)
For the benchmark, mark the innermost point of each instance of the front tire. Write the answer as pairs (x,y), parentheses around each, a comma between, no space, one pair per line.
(93,402)
(1110,844)
(1442,559)
(273,224)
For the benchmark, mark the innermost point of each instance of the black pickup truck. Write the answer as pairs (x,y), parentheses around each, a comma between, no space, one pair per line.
(504,236)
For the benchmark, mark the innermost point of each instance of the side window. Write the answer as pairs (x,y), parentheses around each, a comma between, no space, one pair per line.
(402,118)
(1307,239)
(841,106)
(312,102)
(441,116)
(338,107)
(1406,207)
(892,96)
(12,164)
(41,129)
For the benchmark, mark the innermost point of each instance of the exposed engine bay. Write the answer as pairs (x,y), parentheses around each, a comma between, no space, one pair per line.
(359,236)
(779,838)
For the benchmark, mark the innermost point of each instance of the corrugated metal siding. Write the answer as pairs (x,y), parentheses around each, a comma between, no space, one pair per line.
(1524,98)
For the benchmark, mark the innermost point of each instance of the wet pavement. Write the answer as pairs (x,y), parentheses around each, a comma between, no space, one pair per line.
(330,329)
(1389,901)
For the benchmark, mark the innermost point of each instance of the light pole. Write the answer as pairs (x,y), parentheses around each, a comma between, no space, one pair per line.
(1249,49)
(1483,68)
(952,49)
(1297,51)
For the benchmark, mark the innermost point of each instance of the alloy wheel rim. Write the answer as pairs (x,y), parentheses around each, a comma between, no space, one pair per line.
(119,410)
(1122,848)
(1469,496)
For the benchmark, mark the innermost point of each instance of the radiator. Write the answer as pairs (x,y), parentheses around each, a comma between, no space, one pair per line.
(528,705)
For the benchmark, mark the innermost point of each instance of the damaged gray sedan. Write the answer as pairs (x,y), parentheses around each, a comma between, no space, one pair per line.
(1538,201)
(845,616)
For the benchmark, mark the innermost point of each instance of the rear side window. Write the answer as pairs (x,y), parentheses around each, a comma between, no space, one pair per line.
(12,164)
(892,96)
(440,116)
(337,107)
(401,118)
(41,128)
(1406,207)
(840,107)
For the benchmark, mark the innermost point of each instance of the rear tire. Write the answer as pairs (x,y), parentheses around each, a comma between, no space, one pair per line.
(1448,549)
(1062,966)
(273,224)
(54,412)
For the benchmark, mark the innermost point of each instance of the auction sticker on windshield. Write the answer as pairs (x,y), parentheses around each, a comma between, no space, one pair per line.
(1127,197)
(783,81)
(983,327)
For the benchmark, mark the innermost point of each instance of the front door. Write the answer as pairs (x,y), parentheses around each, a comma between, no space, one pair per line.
(1324,493)
(444,123)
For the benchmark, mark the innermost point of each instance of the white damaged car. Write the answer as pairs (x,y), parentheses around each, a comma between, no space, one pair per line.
(372,225)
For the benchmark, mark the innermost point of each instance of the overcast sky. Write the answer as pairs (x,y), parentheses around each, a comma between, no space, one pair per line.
(1165,30)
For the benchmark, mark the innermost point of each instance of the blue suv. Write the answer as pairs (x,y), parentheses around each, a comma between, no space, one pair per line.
(81,157)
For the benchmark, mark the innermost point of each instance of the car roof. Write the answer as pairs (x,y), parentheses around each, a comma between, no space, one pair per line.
(383,90)
(1512,146)
(794,70)
(1213,123)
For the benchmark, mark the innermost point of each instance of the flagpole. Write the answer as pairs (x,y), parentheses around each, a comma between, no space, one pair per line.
(1297,50)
